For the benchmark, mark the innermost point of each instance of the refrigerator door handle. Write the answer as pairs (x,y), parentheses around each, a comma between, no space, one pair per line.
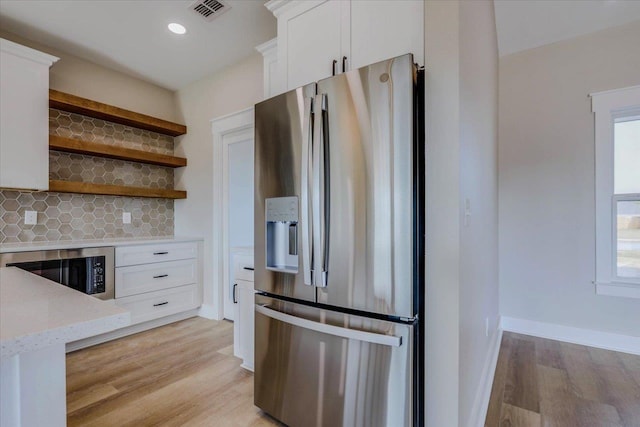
(306,217)
(325,188)
(315,193)
(323,328)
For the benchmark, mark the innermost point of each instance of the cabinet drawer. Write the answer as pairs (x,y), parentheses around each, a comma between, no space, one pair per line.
(243,267)
(134,255)
(153,305)
(138,279)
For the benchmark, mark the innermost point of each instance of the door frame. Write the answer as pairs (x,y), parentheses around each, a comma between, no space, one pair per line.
(226,130)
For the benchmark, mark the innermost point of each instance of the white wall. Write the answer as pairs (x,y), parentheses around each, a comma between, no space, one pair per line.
(478,185)
(232,89)
(442,211)
(80,77)
(461,149)
(546,162)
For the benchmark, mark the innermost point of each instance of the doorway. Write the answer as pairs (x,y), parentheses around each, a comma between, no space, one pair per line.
(238,147)
(232,202)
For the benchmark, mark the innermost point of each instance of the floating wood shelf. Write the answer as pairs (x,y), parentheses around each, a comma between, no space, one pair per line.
(68,145)
(75,104)
(114,190)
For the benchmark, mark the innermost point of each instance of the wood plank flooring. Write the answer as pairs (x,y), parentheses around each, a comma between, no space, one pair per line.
(183,374)
(540,382)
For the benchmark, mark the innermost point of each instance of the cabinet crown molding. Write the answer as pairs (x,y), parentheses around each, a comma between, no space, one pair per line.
(280,7)
(27,52)
(276,6)
(268,47)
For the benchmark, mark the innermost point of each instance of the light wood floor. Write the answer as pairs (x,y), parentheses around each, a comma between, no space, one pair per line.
(541,382)
(185,374)
(182,374)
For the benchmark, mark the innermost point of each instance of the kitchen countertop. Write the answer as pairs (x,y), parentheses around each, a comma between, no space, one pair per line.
(70,244)
(36,313)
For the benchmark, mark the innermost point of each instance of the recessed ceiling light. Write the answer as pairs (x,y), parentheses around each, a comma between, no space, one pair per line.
(177,28)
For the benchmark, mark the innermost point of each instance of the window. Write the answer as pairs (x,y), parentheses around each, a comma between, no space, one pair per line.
(617,148)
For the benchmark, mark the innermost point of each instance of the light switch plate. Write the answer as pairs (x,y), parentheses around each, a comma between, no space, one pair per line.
(30,217)
(126,217)
(467,211)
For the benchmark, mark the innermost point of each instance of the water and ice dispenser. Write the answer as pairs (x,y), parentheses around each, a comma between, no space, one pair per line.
(282,234)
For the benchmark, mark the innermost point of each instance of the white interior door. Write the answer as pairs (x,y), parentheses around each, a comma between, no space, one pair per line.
(238,149)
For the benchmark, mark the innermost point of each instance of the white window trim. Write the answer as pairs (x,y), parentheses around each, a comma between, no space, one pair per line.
(608,106)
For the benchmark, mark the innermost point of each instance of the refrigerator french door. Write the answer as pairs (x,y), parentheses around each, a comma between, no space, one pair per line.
(338,249)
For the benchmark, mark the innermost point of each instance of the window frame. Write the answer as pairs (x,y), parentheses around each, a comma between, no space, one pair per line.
(609,107)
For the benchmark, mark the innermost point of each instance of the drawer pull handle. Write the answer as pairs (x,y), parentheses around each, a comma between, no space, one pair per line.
(248,268)
(161,303)
(161,253)
(235,300)
(160,276)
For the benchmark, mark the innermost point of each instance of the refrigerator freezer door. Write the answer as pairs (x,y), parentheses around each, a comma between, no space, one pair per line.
(368,137)
(321,368)
(283,127)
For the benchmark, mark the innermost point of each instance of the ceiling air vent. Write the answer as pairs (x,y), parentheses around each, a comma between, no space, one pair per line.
(209,9)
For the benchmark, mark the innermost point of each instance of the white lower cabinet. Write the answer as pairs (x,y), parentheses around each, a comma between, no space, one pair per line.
(244,322)
(152,305)
(154,253)
(154,281)
(137,279)
(243,298)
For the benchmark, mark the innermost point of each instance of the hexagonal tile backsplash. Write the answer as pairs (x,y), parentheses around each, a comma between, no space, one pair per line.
(75,126)
(98,170)
(64,217)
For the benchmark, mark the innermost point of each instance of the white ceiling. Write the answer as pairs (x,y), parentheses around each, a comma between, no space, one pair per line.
(132,36)
(525,24)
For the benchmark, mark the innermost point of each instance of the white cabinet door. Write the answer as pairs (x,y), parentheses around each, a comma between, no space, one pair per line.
(24,117)
(242,276)
(243,328)
(384,29)
(314,33)
(312,40)
(246,316)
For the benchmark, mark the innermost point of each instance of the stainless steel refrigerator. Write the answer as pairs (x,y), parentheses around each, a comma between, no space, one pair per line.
(339,244)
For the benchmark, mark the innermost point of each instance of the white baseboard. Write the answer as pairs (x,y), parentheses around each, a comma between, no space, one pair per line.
(129,330)
(483,393)
(208,312)
(588,337)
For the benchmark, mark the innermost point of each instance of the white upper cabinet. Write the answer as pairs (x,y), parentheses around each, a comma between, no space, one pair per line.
(317,38)
(24,117)
(383,29)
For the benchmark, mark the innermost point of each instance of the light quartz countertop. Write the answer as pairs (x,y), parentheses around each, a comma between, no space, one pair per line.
(73,244)
(36,313)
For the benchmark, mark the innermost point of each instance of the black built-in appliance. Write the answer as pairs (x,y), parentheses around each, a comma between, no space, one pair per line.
(87,270)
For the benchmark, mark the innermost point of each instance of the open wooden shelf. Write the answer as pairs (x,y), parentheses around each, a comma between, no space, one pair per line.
(75,104)
(68,145)
(114,190)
